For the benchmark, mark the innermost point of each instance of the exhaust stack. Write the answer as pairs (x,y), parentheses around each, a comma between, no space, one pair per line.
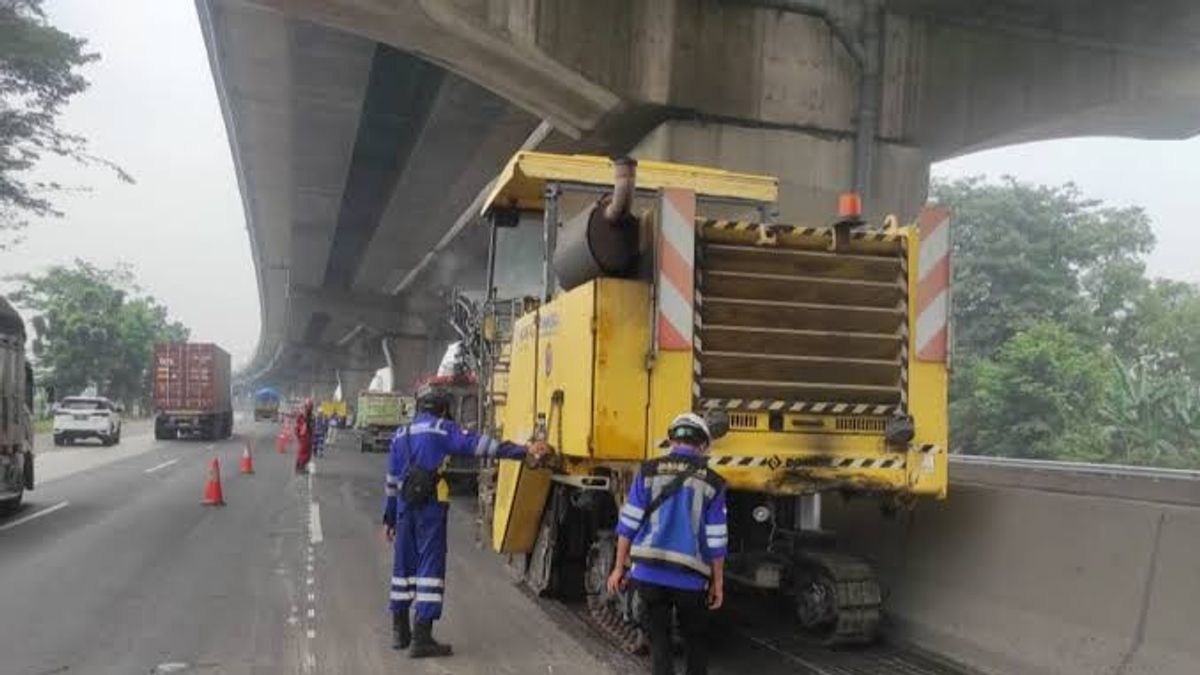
(601,241)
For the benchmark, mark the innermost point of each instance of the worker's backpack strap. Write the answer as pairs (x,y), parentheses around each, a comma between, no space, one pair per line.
(669,490)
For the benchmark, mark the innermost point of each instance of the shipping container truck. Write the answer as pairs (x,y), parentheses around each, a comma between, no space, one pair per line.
(16,411)
(378,414)
(192,394)
(818,352)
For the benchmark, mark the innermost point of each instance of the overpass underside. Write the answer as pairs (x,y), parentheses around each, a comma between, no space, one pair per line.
(363,132)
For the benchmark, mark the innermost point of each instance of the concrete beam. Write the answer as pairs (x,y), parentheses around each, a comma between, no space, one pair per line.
(380,312)
(445,34)
(331,356)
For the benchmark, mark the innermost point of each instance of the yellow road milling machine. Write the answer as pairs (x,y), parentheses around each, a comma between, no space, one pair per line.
(646,289)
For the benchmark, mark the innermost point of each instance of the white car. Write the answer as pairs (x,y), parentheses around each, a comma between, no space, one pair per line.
(79,417)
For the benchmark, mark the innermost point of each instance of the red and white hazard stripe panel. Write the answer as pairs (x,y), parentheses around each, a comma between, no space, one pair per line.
(676,270)
(933,284)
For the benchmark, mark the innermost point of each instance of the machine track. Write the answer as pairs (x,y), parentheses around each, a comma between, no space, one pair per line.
(611,615)
(837,598)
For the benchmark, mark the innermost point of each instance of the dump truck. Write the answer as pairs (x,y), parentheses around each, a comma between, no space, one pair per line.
(192,395)
(817,350)
(377,416)
(266,404)
(16,411)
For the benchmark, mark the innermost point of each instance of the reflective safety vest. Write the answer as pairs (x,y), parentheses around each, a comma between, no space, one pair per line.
(688,529)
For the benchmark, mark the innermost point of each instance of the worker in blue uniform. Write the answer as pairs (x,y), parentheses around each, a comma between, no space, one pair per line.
(415,513)
(673,528)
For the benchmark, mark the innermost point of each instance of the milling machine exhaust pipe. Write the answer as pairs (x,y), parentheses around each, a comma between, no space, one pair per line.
(602,240)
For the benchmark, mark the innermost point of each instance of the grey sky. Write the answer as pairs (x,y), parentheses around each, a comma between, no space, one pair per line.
(152,109)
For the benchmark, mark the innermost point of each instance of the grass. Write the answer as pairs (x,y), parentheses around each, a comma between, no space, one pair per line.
(43,426)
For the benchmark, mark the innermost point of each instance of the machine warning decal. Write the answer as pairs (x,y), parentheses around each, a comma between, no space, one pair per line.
(810,462)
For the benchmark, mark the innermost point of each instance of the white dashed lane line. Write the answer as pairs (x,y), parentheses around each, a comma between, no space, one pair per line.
(315,534)
(36,514)
(164,465)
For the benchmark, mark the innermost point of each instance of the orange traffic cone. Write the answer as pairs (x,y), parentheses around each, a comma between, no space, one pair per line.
(212,489)
(247,463)
(281,441)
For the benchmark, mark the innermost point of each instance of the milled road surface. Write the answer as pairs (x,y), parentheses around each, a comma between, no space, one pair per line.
(114,566)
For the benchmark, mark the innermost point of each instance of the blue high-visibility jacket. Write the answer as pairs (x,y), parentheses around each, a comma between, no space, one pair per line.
(427,442)
(687,532)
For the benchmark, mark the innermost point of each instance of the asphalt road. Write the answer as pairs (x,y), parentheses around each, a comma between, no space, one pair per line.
(119,569)
(114,566)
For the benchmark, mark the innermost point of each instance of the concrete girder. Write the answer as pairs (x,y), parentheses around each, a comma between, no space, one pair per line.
(442,33)
(381,312)
(302,357)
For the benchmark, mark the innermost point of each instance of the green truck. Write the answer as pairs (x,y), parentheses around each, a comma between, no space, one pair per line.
(377,416)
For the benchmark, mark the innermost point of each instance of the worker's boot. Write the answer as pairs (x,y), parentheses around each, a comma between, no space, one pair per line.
(401,632)
(423,644)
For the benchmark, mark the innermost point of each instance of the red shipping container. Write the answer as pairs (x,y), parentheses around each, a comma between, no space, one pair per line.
(191,377)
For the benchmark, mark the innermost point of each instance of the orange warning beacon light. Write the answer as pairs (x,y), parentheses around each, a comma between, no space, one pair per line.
(849,206)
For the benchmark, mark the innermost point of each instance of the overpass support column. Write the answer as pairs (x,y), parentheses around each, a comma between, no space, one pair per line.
(406,358)
(812,167)
(352,382)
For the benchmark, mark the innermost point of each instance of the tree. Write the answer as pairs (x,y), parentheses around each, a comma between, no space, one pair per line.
(1152,417)
(89,330)
(1037,398)
(39,73)
(1028,253)
(1064,348)
(1162,328)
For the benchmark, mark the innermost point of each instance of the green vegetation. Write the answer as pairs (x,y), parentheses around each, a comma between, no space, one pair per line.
(93,328)
(1064,349)
(39,73)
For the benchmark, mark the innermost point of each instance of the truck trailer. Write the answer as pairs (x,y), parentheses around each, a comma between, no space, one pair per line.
(665,288)
(16,411)
(192,395)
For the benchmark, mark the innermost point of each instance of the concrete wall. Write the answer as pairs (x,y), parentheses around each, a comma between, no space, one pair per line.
(1035,572)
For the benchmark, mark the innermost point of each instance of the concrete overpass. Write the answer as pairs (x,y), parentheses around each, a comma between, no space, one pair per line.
(363,131)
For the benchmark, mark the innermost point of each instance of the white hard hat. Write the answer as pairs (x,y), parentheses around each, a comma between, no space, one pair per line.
(686,422)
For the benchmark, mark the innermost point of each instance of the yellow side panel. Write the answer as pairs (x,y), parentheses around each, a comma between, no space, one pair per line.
(670,395)
(519,413)
(622,384)
(928,401)
(520,497)
(565,357)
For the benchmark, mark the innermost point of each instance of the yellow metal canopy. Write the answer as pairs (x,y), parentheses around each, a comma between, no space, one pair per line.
(523,181)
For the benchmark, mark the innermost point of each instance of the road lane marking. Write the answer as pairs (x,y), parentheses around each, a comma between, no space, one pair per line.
(315,534)
(36,514)
(164,465)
